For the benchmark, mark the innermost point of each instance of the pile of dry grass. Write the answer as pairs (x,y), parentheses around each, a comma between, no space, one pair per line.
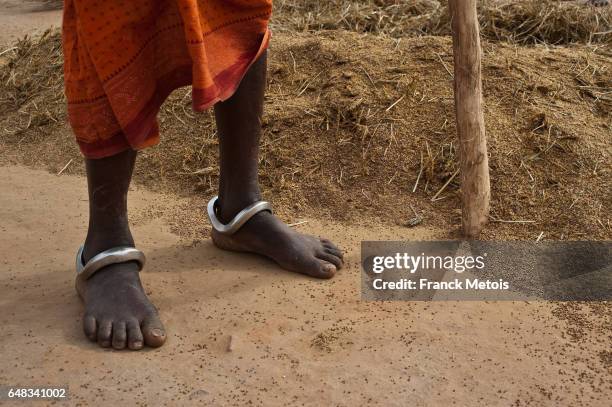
(361,127)
(524,22)
(390,17)
(32,83)
(545,21)
(53,4)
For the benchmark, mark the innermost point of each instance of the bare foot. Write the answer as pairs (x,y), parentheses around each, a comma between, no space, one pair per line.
(265,234)
(239,127)
(117,310)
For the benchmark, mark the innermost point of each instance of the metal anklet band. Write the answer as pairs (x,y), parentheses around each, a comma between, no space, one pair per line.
(240,219)
(116,255)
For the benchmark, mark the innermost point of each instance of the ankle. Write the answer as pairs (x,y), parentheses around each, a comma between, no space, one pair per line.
(98,241)
(229,204)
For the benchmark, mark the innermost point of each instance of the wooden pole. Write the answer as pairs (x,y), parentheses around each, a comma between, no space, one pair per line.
(475,183)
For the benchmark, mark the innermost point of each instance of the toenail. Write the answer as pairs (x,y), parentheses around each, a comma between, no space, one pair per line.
(137,344)
(156,332)
(330,268)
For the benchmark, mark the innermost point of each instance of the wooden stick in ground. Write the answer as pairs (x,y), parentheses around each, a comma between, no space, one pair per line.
(475,183)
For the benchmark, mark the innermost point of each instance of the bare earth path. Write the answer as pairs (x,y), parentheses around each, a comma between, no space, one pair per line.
(293,339)
(21,17)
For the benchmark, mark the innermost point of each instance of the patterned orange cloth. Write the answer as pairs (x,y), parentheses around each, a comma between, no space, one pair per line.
(122,58)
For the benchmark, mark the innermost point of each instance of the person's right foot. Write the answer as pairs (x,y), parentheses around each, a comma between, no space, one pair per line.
(117,310)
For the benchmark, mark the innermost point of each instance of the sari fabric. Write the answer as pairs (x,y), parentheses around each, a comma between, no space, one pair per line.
(122,58)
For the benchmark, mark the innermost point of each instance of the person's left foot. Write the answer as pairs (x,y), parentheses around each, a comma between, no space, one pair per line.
(265,234)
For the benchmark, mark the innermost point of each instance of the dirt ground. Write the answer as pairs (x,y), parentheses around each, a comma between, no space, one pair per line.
(23,17)
(294,341)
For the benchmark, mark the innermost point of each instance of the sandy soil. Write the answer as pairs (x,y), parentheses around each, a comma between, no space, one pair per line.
(18,18)
(295,340)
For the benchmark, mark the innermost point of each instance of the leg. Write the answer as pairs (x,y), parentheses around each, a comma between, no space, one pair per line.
(117,311)
(239,126)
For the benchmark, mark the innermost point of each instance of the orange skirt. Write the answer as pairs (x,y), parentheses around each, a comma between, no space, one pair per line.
(122,58)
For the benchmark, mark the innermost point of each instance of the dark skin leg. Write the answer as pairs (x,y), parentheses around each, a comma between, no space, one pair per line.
(117,310)
(239,127)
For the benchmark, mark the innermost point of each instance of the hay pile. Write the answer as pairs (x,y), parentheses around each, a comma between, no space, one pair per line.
(523,22)
(362,128)
(53,4)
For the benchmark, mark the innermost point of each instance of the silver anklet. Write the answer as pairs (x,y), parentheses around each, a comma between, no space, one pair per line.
(240,219)
(116,255)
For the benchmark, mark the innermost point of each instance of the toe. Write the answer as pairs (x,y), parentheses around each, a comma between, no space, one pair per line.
(119,335)
(328,243)
(335,252)
(134,336)
(105,331)
(328,270)
(330,258)
(321,269)
(153,331)
(89,327)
